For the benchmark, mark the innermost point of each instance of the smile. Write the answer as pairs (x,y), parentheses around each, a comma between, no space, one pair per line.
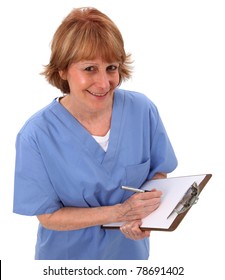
(98,94)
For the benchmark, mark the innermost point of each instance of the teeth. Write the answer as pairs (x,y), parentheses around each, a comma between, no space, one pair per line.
(98,94)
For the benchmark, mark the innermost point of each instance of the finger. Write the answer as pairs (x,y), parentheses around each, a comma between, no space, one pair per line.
(139,233)
(125,231)
(147,233)
(130,227)
(149,195)
(147,206)
(132,230)
(141,201)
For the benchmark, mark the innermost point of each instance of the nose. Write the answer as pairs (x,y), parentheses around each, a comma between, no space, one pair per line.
(102,80)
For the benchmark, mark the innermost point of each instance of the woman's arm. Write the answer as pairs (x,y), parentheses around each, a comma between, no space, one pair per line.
(72,218)
(136,207)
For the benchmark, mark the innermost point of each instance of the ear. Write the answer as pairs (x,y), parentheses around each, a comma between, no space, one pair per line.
(62,74)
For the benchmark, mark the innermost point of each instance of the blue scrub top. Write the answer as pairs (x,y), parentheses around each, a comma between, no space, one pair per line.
(59,164)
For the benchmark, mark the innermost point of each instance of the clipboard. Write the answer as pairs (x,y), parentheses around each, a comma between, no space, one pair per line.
(179,195)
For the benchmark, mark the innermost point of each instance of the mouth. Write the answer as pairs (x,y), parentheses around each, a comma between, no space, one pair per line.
(98,94)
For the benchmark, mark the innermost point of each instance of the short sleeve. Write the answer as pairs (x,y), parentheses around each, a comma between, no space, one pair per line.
(33,191)
(163,158)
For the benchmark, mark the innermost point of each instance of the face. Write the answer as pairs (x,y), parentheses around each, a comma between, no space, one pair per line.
(92,83)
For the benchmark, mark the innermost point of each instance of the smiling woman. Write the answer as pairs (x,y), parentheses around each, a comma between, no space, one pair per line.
(73,156)
(86,34)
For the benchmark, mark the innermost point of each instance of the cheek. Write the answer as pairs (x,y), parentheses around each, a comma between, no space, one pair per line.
(116,80)
(77,81)
(83,81)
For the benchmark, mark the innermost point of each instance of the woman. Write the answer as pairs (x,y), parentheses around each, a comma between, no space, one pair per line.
(73,156)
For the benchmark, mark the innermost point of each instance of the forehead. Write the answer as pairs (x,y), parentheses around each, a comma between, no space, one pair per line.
(96,61)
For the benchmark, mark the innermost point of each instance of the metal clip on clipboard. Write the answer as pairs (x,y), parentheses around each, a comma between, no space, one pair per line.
(189,199)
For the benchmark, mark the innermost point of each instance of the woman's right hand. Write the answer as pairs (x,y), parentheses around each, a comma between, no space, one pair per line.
(140,205)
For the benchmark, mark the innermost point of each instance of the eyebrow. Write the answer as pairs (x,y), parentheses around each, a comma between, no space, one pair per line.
(88,62)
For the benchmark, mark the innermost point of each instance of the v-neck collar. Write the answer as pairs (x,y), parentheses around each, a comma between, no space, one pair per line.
(106,159)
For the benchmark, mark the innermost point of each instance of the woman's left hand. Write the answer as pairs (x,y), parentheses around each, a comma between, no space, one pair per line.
(132,230)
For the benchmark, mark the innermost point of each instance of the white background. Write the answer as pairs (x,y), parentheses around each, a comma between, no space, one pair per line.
(178,49)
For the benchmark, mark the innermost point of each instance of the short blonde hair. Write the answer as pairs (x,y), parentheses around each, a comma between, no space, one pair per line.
(85,34)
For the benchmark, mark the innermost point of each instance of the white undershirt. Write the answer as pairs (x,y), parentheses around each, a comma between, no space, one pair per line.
(103,141)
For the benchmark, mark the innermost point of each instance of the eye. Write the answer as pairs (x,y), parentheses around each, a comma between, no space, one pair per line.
(112,68)
(89,68)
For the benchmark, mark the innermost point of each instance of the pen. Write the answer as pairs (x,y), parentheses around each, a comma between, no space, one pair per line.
(133,189)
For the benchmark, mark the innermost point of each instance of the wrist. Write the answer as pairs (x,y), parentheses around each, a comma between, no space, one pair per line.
(119,213)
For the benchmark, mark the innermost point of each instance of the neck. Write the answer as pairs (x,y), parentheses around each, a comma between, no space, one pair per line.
(97,122)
